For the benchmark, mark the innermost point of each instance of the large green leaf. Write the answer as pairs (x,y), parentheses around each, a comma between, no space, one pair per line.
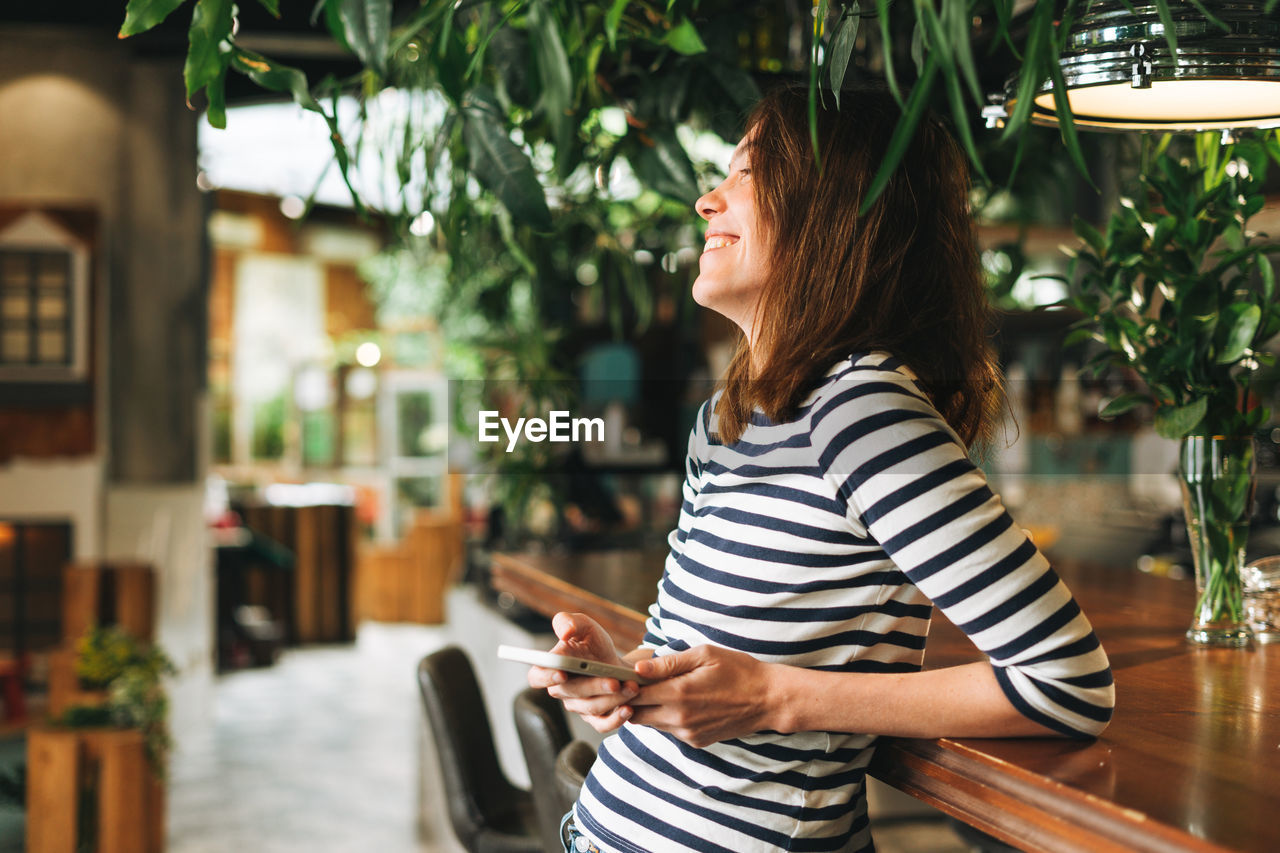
(1177,421)
(367,27)
(1123,403)
(276,77)
(332,22)
(1034,71)
(737,84)
(684,38)
(1004,16)
(482,49)
(411,28)
(664,166)
(842,43)
(1066,120)
(1170,30)
(612,20)
(504,169)
(960,118)
(956,19)
(1090,235)
(216,91)
(886,48)
(272,6)
(554,73)
(211,22)
(1231,493)
(288,80)
(900,140)
(142,15)
(1238,325)
(935,39)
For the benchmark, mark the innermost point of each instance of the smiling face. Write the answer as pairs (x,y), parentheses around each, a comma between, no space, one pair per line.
(735,258)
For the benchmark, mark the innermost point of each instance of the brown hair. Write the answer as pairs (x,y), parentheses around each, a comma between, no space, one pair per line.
(904,277)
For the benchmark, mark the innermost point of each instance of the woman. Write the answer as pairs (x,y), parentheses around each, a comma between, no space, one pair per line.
(829,499)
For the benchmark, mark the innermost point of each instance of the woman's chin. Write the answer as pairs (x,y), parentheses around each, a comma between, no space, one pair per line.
(701,292)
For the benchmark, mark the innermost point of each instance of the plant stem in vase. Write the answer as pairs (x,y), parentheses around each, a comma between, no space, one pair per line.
(1218,481)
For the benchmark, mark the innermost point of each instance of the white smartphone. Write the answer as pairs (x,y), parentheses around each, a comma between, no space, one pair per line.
(572,665)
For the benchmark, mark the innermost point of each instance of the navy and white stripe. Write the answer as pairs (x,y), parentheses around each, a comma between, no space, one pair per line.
(822,542)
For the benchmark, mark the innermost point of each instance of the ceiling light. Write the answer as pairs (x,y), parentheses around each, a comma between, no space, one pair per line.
(1120,74)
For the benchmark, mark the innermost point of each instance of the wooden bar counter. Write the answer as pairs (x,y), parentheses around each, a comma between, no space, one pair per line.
(1190,762)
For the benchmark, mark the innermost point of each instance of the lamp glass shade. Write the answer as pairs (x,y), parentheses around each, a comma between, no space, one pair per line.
(1200,103)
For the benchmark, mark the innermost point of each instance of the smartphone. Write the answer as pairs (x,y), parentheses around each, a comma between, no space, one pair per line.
(572,665)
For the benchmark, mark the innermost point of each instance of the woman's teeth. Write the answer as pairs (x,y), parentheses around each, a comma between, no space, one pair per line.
(718,243)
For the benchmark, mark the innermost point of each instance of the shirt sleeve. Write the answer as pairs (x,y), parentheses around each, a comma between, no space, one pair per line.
(908,483)
(654,636)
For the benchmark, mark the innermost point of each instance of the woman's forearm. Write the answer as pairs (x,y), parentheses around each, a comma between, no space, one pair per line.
(959,701)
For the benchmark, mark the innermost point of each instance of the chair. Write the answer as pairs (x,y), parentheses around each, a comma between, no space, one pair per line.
(488,813)
(572,766)
(543,733)
(557,764)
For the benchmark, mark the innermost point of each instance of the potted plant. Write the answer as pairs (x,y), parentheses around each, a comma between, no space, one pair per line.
(129,673)
(1177,289)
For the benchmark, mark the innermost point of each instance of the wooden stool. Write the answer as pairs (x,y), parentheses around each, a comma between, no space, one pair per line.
(129,795)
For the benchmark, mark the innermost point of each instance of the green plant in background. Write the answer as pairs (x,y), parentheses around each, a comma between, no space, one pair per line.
(130,671)
(1178,290)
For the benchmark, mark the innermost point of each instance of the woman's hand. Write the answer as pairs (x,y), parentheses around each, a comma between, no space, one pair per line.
(706,694)
(599,701)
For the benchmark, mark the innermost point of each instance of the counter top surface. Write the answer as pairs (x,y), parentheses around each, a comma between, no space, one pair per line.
(1190,761)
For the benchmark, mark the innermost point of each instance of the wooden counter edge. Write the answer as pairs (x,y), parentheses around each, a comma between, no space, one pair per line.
(549,595)
(1018,807)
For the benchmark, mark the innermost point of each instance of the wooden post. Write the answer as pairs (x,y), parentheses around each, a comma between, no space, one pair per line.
(123,791)
(130,797)
(125,591)
(306,568)
(79,601)
(53,784)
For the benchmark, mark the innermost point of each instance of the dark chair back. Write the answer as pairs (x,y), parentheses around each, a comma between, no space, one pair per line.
(572,765)
(543,733)
(488,813)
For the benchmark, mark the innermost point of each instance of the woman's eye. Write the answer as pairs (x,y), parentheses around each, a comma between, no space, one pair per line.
(744,174)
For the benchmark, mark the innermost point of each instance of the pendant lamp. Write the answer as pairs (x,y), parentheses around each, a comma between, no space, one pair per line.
(1120,74)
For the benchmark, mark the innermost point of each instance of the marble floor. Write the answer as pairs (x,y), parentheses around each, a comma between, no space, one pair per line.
(317,753)
(320,753)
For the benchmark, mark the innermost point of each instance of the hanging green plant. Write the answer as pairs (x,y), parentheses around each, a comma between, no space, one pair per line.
(131,673)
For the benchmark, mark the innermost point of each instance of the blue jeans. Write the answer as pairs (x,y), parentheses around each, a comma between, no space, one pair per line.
(574,841)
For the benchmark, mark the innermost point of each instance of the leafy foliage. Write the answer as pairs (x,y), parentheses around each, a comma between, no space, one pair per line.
(1177,289)
(131,673)
(551,62)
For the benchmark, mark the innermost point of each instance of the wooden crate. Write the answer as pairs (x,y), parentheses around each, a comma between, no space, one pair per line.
(112,765)
(407,582)
(108,593)
(318,605)
(64,684)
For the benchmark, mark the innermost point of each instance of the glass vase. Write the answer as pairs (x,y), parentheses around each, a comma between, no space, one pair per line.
(1218,480)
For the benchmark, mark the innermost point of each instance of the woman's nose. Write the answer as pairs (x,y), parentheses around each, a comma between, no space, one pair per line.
(709,204)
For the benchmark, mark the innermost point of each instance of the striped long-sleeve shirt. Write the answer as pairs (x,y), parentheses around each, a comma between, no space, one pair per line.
(821,542)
